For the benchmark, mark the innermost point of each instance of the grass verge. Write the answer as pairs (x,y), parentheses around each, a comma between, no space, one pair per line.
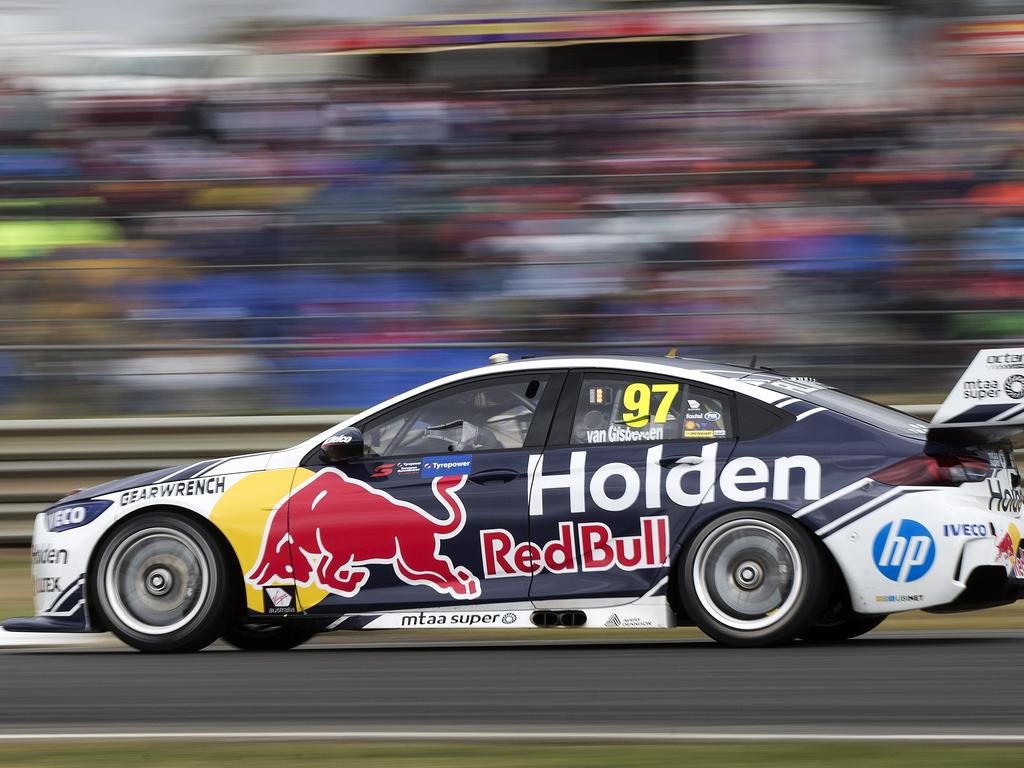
(15,583)
(500,755)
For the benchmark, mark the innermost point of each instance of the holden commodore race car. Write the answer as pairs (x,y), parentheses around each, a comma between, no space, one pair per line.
(563,492)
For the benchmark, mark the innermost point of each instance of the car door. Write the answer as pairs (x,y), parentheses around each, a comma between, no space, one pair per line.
(401,527)
(630,459)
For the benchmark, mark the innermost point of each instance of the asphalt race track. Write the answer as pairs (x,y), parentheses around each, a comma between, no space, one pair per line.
(956,684)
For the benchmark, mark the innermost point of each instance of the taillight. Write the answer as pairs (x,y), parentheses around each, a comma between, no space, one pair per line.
(975,469)
(941,469)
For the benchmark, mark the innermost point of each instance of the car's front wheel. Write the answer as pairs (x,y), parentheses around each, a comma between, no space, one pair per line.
(753,578)
(266,637)
(161,583)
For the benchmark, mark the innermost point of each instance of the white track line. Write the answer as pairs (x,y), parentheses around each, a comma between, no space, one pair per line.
(510,735)
(15,641)
(55,640)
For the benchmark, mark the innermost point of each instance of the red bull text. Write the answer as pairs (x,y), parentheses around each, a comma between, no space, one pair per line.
(586,547)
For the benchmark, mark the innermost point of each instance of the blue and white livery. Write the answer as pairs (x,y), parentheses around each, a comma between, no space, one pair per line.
(566,491)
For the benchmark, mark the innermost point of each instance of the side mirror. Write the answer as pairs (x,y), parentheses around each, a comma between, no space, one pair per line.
(346,444)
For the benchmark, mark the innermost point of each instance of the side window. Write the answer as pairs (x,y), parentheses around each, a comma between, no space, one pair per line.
(479,417)
(757,419)
(618,408)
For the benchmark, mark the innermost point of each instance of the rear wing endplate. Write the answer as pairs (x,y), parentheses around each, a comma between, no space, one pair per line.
(987,403)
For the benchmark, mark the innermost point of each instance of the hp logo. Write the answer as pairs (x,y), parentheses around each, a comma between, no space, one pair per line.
(904,551)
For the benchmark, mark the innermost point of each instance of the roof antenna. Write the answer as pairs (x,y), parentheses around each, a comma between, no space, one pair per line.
(672,353)
(753,361)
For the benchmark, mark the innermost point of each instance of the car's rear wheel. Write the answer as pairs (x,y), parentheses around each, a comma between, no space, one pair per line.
(841,629)
(753,578)
(266,637)
(161,583)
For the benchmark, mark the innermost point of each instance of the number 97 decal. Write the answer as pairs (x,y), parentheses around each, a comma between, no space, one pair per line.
(637,398)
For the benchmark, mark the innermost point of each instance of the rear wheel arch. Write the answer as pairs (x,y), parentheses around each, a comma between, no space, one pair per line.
(838,586)
(683,544)
(839,603)
(817,562)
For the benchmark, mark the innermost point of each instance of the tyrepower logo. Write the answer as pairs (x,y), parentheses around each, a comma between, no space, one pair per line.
(586,547)
(616,487)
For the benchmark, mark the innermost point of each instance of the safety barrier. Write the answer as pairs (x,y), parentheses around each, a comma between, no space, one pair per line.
(42,460)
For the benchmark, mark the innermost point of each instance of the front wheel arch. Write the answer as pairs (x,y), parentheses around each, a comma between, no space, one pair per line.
(97,620)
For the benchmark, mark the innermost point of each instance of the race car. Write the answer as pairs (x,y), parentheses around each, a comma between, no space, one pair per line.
(618,491)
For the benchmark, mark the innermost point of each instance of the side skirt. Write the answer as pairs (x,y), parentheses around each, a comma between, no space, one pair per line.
(649,612)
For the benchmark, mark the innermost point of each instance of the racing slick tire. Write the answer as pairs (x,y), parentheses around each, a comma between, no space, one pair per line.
(753,578)
(844,629)
(266,637)
(162,584)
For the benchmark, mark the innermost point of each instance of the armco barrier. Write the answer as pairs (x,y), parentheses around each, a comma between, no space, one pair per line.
(42,460)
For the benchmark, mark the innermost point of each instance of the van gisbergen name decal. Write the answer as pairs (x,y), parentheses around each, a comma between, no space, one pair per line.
(199,487)
(744,479)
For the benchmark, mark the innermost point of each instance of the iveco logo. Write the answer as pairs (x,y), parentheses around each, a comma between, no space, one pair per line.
(66,517)
(73,515)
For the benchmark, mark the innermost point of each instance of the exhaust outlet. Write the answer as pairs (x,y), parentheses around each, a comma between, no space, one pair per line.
(544,619)
(572,618)
(548,619)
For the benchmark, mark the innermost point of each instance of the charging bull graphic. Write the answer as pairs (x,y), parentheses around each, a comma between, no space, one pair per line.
(338,525)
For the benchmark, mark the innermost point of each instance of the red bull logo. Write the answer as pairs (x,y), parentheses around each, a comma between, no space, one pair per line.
(1011,548)
(331,527)
(1004,548)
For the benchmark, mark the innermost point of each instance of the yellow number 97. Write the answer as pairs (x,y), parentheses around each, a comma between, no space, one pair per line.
(637,398)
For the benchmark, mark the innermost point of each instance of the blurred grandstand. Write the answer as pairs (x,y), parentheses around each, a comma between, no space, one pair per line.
(307,218)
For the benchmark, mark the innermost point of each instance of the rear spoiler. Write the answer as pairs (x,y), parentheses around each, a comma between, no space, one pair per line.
(987,403)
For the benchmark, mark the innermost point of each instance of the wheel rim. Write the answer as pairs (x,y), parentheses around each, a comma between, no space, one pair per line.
(748,574)
(157,580)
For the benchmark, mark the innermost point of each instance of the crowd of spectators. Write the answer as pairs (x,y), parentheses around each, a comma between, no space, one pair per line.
(314,248)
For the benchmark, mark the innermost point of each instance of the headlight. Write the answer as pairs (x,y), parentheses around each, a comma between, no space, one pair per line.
(68,516)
